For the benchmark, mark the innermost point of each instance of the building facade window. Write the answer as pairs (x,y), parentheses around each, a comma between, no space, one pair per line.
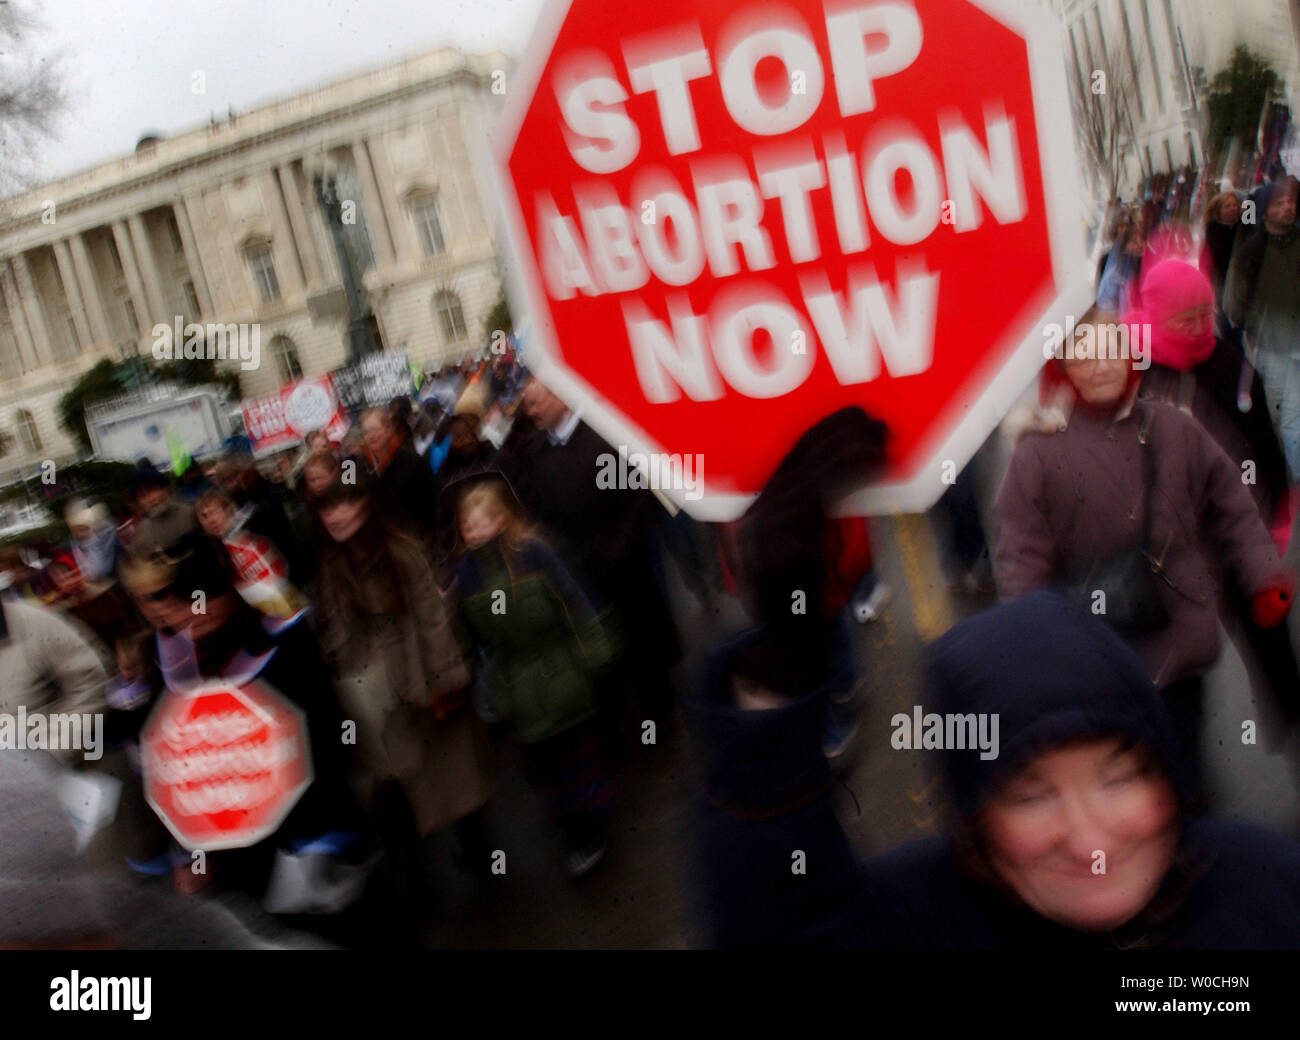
(192,300)
(28,434)
(174,233)
(424,210)
(262,264)
(286,359)
(132,322)
(73,338)
(450,315)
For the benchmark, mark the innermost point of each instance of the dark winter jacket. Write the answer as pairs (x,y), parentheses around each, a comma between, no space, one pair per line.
(769,863)
(1209,392)
(1073,498)
(542,640)
(1052,673)
(605,535)
(407,493)
(1264,302)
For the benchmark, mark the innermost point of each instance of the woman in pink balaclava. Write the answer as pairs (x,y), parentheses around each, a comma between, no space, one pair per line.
(1210,378)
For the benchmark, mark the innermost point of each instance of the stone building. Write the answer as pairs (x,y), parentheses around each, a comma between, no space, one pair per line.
(1172,48)
(225,224)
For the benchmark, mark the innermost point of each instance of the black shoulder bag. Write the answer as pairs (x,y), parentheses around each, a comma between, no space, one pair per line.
(1131,579)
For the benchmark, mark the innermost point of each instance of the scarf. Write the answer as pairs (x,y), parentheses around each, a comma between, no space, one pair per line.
(1168,289)
(97,554)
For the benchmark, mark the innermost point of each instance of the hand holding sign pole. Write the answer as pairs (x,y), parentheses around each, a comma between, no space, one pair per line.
(732,220)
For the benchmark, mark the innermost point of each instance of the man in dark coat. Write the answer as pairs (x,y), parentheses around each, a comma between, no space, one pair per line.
(265,515)
(607,537)
(1260,297)
(163,519)
(407,490)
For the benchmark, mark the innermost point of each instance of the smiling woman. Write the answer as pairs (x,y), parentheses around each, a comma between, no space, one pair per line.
(1079,834)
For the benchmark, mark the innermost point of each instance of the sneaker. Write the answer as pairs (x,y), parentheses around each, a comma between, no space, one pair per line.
(580,862)
(867,609)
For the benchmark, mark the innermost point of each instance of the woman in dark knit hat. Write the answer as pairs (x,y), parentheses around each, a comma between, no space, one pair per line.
(1078,833)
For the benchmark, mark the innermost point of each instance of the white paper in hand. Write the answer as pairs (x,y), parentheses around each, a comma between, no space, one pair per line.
(90,800)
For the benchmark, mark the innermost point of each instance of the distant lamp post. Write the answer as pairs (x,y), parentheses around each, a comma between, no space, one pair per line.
(361,340)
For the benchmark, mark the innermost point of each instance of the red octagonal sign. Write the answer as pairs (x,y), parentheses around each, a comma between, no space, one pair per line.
(731,219)
(225,764)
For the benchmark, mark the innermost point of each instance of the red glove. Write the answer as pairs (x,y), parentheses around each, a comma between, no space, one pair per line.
(1270,607)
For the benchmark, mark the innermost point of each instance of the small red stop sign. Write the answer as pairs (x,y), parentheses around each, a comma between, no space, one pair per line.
(225,764)
(731,219)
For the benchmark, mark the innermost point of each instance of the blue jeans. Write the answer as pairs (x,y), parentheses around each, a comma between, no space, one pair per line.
(1281,375)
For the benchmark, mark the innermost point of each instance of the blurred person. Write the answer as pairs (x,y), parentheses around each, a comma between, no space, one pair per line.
(466,453)
(543,644)
(1137,501)
(607,536)
(1120,217)
(760,708)
(319,471)
(94,540)
(261,573)
(1193,369)
(1120,282)
(422,760)
(505,380)
(401,413)
(161,520)
(800,568)
(261,513)
(427,437)
(47,663)
(20,580)
(102,608)
(968,563)
(1222,224)
(1079,831)
(446,387)
(229,640)
(766,790)
(407,491)
(1260,297)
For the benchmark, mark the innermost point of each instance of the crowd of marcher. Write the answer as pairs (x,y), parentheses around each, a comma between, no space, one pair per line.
(452,575)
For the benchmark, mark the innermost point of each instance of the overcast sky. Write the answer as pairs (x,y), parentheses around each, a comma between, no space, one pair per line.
(130,63)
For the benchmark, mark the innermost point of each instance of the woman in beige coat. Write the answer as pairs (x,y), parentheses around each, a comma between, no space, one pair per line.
(403,679)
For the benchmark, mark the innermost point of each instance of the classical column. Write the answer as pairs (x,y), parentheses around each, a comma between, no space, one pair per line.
(282,231)
(159,309)
(374,205)
(101,330)
(134,285)
(9,289)
(193,259)
(301,228)
(207,286)
(406,242)
(35,313)
(72,290)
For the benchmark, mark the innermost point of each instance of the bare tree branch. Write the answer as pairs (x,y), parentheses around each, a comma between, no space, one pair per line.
(32,95)
(1103,120)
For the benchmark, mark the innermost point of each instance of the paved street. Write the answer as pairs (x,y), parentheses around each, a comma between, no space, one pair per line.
(637,899)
